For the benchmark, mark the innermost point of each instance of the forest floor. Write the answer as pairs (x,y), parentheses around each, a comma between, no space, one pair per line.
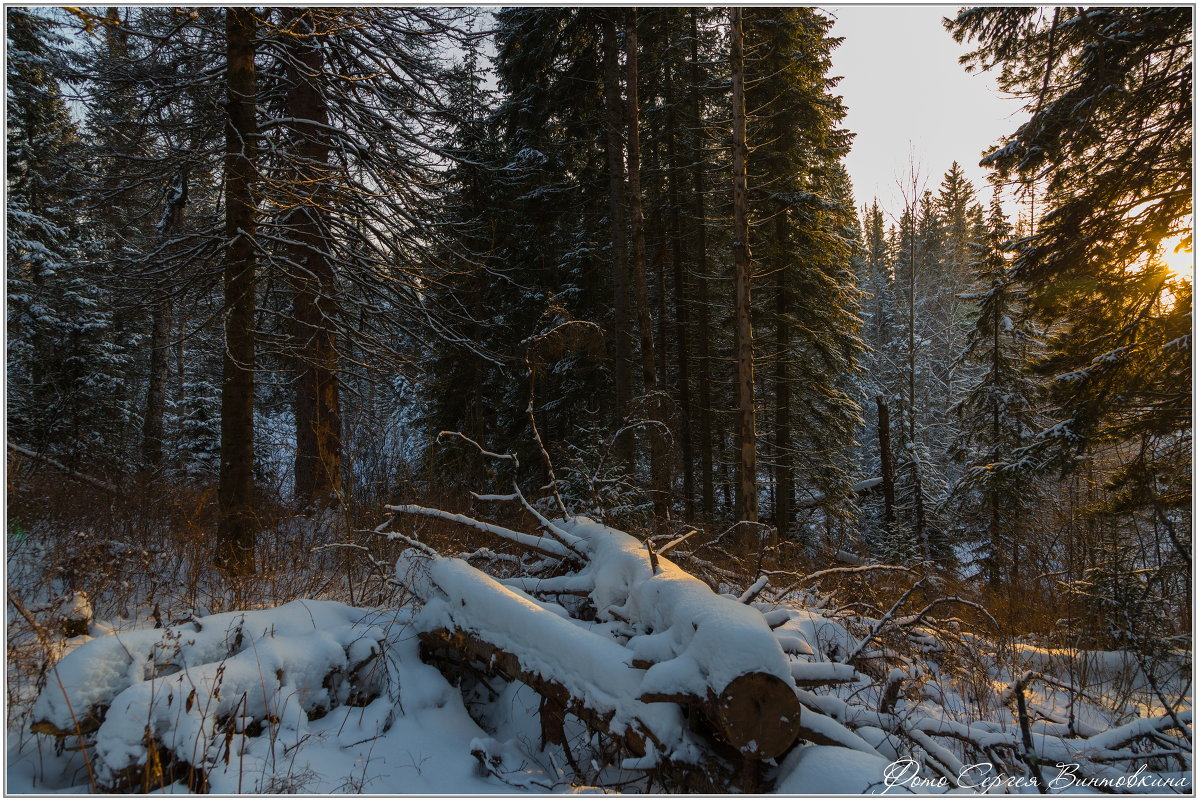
(389,723)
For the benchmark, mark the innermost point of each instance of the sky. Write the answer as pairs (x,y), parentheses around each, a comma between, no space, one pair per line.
(908,96)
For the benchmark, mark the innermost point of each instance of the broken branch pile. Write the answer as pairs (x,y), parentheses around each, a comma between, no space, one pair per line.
(632,643)
(681,676)
(156,706)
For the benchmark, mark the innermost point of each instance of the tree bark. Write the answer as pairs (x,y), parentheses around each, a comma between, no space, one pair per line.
(317,402)
(162,321)
(703,313)
(659,468)
(160,315)
(747,491)
(995,530)
(237,524)
(621,327)
(886,466)
(784,487)
(156,390)
(918,523)
(681,312)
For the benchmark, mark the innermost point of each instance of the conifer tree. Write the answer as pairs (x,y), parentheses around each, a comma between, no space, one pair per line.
(237,526)
(63,371)
(804,238)
(1110,135)
(743,344)
(998,419)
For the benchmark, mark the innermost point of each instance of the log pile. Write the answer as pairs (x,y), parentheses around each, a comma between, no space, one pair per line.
(688,682)
(152,707)
(673,679)
(628,642)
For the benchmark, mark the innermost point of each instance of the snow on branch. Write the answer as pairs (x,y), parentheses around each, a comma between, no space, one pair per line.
(542,545)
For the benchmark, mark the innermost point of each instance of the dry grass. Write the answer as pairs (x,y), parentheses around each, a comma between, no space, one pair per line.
(145,557)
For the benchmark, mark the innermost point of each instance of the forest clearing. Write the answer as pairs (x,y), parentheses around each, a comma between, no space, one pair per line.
(521,400)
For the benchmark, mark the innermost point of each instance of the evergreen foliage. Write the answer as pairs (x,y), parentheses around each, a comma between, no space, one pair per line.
(804,235)
(62,366)
(1111,137)
(596,235)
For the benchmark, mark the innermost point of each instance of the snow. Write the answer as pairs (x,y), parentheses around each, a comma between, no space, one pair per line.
(320,697)
(829,672)
(590,666)
(76,607)
(280,681)
(413,739)
(98,671)
(715,639)
(829,770)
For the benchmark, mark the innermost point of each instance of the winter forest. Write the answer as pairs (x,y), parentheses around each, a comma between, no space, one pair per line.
(448,400)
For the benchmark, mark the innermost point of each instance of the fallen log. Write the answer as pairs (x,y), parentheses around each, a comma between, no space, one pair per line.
(477,619)
(822,674)
(441,645)
(687,641)
(745,714)
(700,644)
(152,706)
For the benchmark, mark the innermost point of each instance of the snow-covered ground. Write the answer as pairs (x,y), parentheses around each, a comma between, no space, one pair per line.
(316,696)
(414,738)
(271,701)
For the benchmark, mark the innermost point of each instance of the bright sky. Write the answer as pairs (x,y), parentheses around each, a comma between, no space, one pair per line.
(908,96)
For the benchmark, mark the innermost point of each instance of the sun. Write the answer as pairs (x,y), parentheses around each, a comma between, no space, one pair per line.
(1180,263)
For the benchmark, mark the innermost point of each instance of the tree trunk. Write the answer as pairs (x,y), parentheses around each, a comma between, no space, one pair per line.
(919,535)
(659,468)
(156,391)
(784,455)
(160,315)
(317,403)
(237,525)
(743,356)
(681,299)
(703,313)
(621,327)
(886,466)
(995,530)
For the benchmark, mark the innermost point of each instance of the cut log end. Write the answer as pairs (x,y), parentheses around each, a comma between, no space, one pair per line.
(759,715)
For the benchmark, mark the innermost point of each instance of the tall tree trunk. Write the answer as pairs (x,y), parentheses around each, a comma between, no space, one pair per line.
(614,145)
(886,467)
(919,534)
(681,299)
(784,488)
(659,468)
(743,356)
(703,312)
(160,335)
(317,402)
(659,262)
(160,313)
(995,532)
(237,525)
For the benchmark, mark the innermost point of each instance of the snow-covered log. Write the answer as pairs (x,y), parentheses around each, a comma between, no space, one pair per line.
(470,613)
(152,704)
(687,644)
(697,643)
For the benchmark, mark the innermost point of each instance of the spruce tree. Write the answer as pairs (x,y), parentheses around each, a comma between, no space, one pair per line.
(998,418)
(1110,136)
(804,238)
(63,368)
